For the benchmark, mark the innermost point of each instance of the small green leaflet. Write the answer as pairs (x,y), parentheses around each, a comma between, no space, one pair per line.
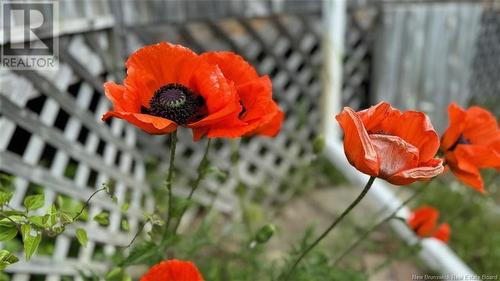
(81,235)
(6,259)
(34,202)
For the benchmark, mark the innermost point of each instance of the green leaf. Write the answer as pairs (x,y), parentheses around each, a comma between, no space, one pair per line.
(6,259)
(38,221)
(8,230)
(34,202)
(124,207)
(125,225)
(102,218)
(114,199)
(25,231)
(65,218)
(5,197)
(81,235)
(30,242)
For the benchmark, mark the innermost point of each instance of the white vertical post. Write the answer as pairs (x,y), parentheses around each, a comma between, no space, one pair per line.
(334,20)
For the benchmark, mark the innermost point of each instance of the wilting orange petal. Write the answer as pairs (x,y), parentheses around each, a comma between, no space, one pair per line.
(372,117)
(357,146)
(394,154)
(431,168)
(416,128)
(456,126)
(442,232)
(173,270)
(149,123)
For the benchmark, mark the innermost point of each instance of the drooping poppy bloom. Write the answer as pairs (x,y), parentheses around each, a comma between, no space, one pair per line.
(217,94)
(471,142)
(173,270)
(423,221)
(396,146)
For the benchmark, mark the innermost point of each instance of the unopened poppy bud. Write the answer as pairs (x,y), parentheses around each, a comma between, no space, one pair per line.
(318,144)
(265,233)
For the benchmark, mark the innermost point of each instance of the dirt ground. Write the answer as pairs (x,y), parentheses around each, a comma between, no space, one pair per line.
(319,207)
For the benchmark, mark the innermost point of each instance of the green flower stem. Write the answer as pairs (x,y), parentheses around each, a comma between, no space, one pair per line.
(376,226)
(173,144)
(77,216)
(202,171)
(325,233)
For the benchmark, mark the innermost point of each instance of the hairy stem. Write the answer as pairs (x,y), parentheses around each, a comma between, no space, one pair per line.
(202,167)
(376,226)
(325,233)
(173,144)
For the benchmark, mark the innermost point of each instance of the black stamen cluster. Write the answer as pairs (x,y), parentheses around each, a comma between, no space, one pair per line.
(177,103)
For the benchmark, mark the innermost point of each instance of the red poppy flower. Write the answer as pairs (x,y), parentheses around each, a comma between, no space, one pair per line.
(217,94)
(396,146)
(424,222)
(173,270)
(471,142)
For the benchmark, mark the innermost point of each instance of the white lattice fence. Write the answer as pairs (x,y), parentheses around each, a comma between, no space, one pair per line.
(54,142)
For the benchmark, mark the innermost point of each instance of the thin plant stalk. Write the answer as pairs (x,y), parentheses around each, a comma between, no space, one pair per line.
(173,144)
(202,171)
(332,226)
(376,226)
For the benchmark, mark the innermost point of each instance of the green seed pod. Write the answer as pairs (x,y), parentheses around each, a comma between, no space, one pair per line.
(265,233)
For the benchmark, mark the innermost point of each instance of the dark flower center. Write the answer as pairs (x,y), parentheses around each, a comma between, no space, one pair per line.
(460,140)
(177,103)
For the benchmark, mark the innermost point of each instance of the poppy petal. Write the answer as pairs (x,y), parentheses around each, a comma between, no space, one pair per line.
(442,232)
(173,270)
(432,168)
(149,123)
(233,66)
(464,170)
(219,94)
(394,154)
(357,146)
(157,65)
(481,126)
(272,128)
(456,116)
(117,95)
(479,155)
(374,116)
(418,131)
(423,220)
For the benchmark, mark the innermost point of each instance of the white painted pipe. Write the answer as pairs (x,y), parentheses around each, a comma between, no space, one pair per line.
(434,253)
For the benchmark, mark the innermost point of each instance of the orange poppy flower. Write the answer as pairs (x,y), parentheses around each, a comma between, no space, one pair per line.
(423,221)
(173,270)
(396,146)
(217,94)
(471,142)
